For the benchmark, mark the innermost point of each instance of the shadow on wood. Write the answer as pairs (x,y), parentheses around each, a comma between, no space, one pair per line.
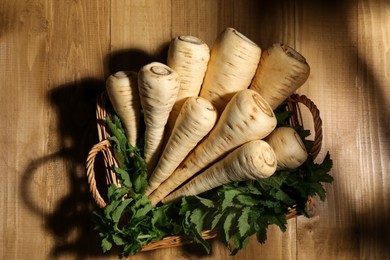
(134,59)
(69,220)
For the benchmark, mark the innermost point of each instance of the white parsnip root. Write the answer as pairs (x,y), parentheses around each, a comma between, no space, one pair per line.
(246,117)
(288,146)
(253,160)
(122,90)
(197,117)
(188,56)
(158,87)
(281,71)
(233,63)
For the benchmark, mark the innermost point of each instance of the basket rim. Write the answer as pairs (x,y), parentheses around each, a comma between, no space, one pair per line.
(104,147)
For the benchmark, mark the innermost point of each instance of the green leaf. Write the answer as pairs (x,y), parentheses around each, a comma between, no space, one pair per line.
(141,212)
(118,152)
(243,222)
(140,183)
(185,206)
(109,209)
(115,127)
(199,239)
(124,176)
(197,219)
(159,216)
(228,197)
(206,202)
(261,235)
(216,220)
(119,241)
(228,226)
(111,191)
(282,196)
(132,248)
(106,244)
(116,193)
(283,117)
(117,212)
(247,200)
(240,242)
(279,220)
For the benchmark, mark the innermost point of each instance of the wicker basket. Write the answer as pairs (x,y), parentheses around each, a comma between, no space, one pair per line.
(104,147)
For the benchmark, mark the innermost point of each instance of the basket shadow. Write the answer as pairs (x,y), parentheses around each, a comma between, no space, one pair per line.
(69,218)
(133,59)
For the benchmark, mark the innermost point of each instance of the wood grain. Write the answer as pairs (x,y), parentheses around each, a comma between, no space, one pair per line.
(140,33)
(373,81)
(55,56)
(331,86)
(23,78)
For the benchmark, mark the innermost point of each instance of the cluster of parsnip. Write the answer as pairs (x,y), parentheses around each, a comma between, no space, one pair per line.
(208,114)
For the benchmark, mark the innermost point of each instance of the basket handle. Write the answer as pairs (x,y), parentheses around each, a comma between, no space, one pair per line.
(102,146)
(295,98)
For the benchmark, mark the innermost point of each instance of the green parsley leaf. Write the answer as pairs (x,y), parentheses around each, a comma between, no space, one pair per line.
(243,222)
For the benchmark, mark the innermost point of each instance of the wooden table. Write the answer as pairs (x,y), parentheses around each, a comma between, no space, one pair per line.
(55,56)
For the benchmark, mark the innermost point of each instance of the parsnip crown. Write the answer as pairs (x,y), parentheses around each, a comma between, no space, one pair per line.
(160,70)
(190,39)
(242,36)
(269,156)
(293,53)
(263,105)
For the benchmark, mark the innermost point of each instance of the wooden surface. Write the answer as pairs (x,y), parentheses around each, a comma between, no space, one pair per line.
(55,56)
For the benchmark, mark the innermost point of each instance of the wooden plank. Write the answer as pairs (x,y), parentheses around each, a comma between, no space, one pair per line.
(24,78)
(55,56)
(140,33)
(326,34)
(266,22)
(373,209)
(206,19)
(190,18)
(78,43)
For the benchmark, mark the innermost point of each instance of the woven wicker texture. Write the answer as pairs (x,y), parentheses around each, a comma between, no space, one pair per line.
(104,147)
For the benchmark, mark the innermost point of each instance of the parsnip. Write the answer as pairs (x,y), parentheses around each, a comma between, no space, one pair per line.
(253,160)
(188,56)
(288,146)
(122,90)
(281,71)
(197,117)
(246,117)
(158,87)
(233,62)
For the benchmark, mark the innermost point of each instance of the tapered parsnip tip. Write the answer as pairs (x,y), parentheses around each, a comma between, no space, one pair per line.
(292,53)
(191,39)
(263,105)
